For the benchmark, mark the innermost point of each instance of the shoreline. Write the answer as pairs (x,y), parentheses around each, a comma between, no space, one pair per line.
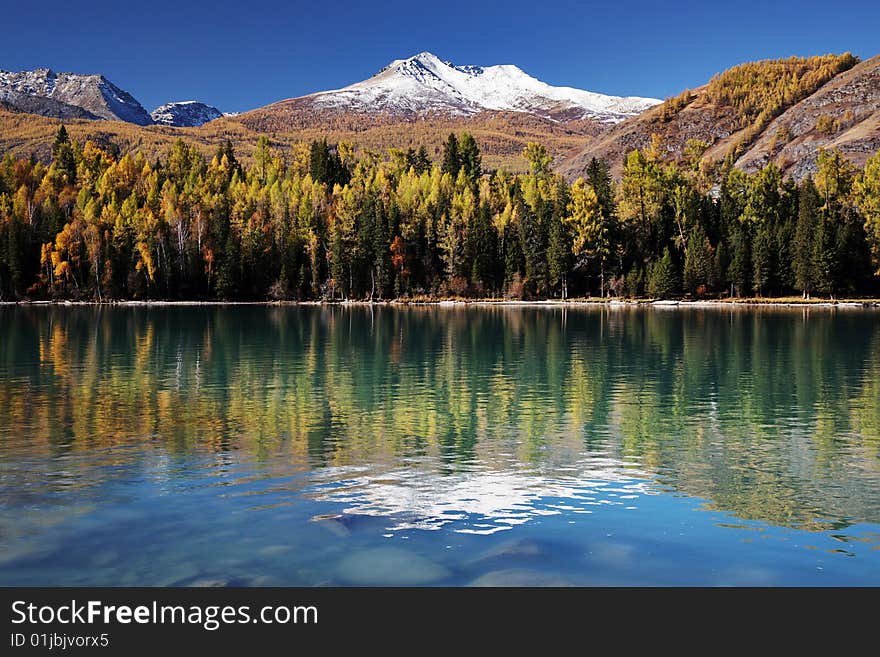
(548,303)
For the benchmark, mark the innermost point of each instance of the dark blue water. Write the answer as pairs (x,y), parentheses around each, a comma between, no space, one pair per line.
(256,445)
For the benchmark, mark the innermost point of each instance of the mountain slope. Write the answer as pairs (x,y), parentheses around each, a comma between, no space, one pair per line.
(185,114)
(48,93)
(424,86)
(411,102)
(501,135)
(843,114)
(421,99)
(15,101)
(734,113)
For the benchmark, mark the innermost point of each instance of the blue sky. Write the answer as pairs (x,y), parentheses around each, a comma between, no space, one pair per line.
(243,54)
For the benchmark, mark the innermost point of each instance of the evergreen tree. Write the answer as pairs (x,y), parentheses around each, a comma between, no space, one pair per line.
(320,164)
(229,283)
(451,161)
(808,209)
(533,238)
(513,254)
(740,270)
(483,246)
(825,257)
(698,261)
(423,162)
(469,158)
(226,153)
(411,158)
(762,259)
(325,222)
(663,279)
(63,154)
(598,176)
(559,253)
(853,256)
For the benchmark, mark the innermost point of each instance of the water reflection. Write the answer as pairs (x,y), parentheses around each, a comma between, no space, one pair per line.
(473,420)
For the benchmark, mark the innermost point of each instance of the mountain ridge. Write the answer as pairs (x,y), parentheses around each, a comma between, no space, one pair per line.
(789,136)
(185,114)
(424,83)
(93,93)
(837,107)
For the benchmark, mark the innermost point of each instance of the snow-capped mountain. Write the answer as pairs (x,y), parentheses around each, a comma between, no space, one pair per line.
(425,84)
(43,91)
(185,114)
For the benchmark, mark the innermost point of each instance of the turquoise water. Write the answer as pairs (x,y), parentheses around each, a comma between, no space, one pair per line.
(281,445)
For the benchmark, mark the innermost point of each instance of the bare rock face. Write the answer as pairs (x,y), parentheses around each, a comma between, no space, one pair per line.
(48,93)
(699,120)
(843,113)
(185,114)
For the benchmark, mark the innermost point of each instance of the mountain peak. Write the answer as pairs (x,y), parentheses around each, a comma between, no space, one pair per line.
(185,114)
(70,95)
(425,84)
(428,56)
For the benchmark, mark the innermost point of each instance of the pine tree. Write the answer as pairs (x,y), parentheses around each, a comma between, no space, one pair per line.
(411,161)
(320,166)
(825,257)
(598,175)
(853,255)
(559,252)
(513,254)
(61,138)
(64,156)
(698,261)
(451,161)
(663,279)
(533,226)
(229,283)
(762,259)
(423,162)
(469,157)
(808,209)
(740,270)
(482,246)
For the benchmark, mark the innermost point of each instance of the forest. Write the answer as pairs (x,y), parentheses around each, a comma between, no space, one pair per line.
(326,222)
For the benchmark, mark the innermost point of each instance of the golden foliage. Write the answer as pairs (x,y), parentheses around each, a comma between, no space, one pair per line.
(761,90)
(675,104)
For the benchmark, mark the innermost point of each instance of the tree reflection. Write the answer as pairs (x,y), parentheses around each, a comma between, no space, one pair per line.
(770,414)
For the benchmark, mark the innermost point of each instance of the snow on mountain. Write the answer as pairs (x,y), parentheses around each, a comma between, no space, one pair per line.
(94,94)
(424,83)
(185,114)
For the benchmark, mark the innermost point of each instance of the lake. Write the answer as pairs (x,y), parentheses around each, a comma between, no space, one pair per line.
(488,445)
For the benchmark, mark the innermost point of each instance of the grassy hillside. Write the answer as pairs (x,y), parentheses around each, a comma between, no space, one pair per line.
(727,115)
(500,135)
(843,114)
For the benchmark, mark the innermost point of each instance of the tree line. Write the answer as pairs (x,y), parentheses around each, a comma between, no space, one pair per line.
(325,222)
